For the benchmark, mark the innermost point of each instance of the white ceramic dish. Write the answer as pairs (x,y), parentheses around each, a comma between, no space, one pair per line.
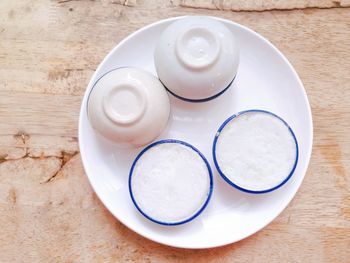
(265,80)
(170,182)
(196,58)
(129,106)
(255,151)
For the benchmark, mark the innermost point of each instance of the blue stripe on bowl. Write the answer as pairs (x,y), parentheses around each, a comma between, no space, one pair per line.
(199,100)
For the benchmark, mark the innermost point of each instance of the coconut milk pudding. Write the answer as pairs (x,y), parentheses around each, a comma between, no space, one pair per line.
(170,182)
(255,151)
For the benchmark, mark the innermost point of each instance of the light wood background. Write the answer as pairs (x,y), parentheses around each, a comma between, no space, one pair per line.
(48,51)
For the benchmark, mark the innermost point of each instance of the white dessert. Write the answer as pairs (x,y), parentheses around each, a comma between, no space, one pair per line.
(256,151)
(170,182)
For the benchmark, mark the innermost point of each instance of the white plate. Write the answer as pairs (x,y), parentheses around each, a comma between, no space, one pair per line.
(265,80)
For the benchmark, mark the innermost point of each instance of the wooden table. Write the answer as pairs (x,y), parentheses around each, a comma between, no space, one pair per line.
(48,52)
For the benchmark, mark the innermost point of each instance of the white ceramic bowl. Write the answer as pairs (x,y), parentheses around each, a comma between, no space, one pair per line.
(128,106)
(196,58)
(255,151)
(170,182)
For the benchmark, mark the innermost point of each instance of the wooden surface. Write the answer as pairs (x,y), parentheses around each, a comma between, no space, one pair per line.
(48,52)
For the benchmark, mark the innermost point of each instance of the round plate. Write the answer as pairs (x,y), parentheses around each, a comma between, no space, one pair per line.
(265,80)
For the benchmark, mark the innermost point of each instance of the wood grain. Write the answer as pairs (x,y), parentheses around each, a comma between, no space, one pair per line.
(259,6)
(48,52)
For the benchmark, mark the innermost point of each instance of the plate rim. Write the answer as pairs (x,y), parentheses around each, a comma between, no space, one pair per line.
(226,21)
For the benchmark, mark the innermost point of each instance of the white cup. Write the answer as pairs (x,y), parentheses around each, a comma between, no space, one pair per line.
(196,58)
(129,106)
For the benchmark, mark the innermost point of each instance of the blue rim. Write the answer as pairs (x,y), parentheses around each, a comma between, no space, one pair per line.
(199,100)
(237,186)
(210,179)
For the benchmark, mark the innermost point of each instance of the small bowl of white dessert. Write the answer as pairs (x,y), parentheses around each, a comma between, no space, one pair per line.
(196,58)
(170,182)
(255,151)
